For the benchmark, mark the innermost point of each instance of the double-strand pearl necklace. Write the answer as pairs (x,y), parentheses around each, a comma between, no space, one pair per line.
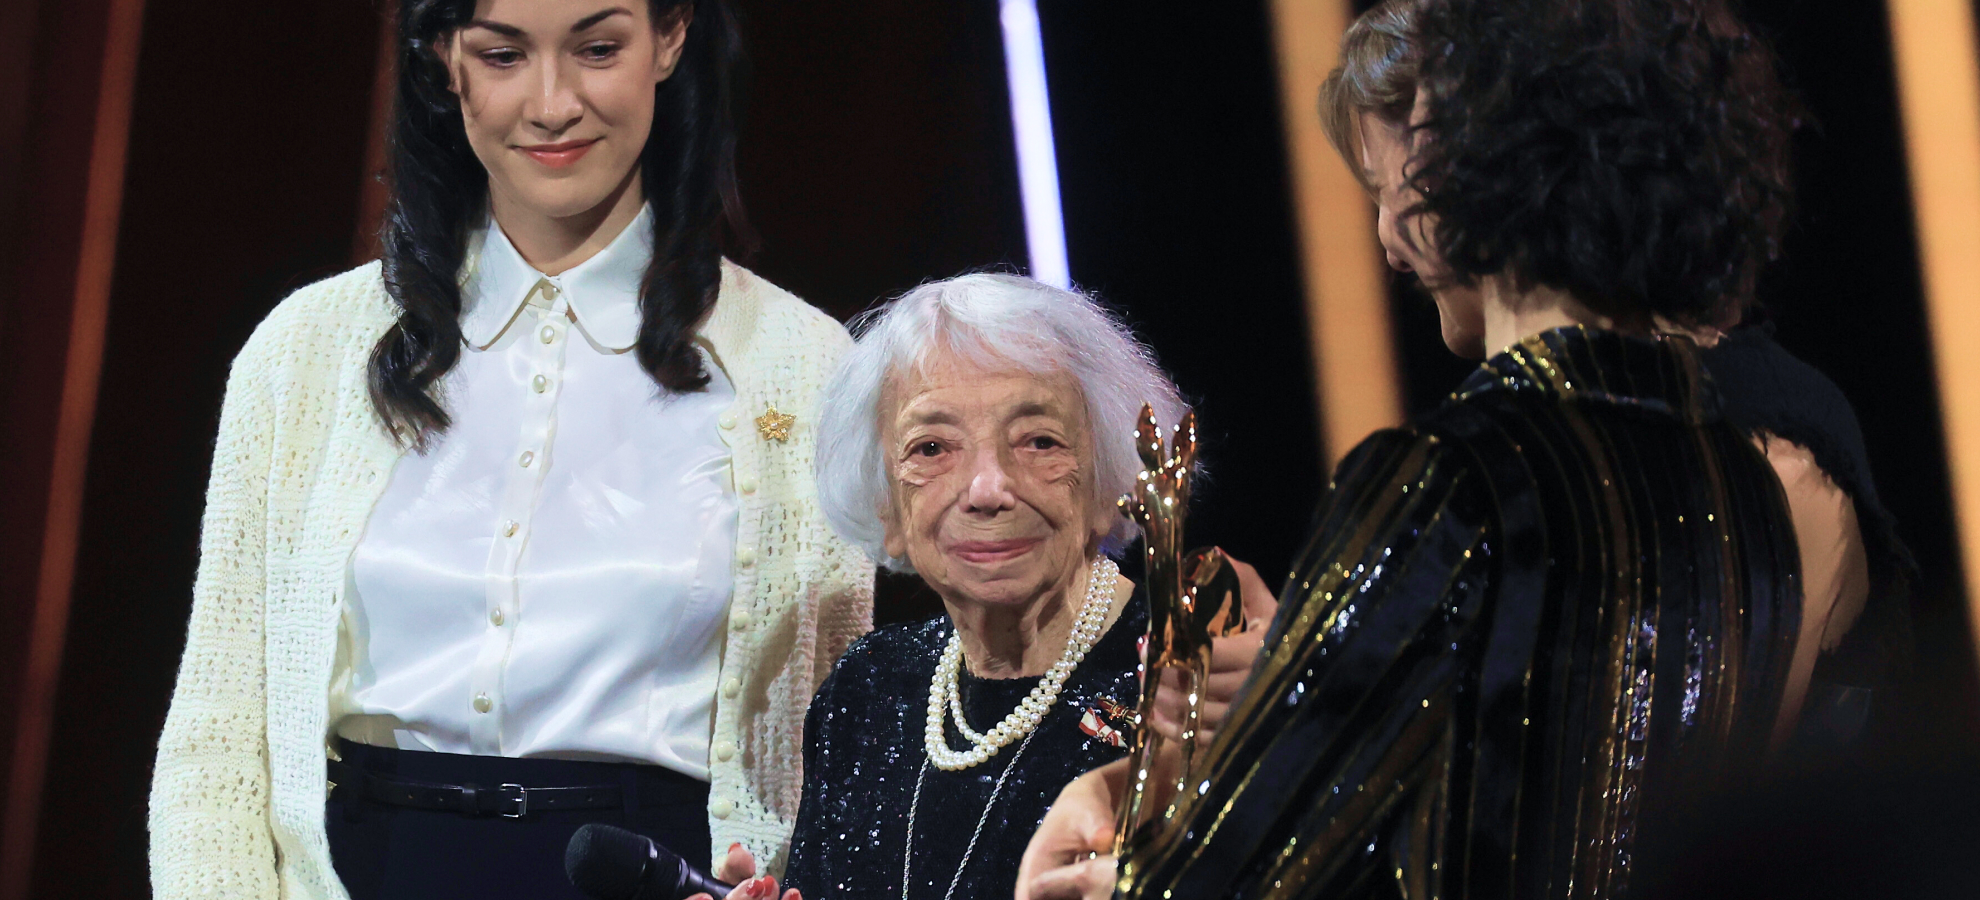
(945,694)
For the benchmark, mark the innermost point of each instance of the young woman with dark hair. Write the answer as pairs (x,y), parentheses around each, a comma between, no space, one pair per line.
(1535,627)
(515,530)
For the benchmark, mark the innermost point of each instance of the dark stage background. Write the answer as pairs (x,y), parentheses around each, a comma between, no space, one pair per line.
(877,155)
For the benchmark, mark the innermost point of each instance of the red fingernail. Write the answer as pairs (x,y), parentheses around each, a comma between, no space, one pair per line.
(735,846)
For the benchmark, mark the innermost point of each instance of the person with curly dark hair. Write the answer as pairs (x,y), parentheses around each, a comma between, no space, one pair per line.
(1632,156)
(1534,628)
(1855,570)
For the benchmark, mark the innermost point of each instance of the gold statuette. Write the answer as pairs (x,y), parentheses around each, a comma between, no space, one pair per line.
(1192,598)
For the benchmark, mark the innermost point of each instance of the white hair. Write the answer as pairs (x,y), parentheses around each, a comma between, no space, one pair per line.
(991,320)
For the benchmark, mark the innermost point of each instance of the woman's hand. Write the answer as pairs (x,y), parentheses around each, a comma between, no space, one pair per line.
(1059,863)
(739,868)
(1071,855)
(1091,879)
(1231,659)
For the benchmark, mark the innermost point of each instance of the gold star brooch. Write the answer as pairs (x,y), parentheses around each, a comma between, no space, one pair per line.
(774,426)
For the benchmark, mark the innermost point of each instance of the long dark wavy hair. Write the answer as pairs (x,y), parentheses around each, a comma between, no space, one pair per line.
(1633,153)
(439,192)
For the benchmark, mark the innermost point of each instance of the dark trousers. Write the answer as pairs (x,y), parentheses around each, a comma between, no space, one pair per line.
(384,852)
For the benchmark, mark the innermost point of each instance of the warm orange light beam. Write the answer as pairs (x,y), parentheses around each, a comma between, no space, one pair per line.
(1347,298)
(1939,94)
(372,195)
(102,212)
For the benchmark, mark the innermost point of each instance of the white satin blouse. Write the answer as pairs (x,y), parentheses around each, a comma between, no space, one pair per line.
(552,577)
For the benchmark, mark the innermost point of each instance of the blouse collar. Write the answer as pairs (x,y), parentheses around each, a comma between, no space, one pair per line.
(603,291)
(1660,374)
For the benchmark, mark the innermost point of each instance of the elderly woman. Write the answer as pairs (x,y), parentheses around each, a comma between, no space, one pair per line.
(977,435)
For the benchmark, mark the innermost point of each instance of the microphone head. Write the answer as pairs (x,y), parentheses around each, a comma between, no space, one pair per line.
(607,862)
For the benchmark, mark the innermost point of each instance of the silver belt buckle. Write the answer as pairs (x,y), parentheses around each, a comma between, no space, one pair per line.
(521,798)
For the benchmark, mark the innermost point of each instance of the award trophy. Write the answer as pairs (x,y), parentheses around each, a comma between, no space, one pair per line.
(1192,598)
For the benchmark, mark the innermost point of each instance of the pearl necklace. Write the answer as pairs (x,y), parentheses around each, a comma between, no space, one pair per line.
(944,692)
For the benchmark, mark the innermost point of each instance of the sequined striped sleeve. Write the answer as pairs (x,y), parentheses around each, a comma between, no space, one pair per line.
(1343,734)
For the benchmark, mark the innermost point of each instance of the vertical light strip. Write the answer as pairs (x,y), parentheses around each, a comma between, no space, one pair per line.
(1347,297)
(1031,121)
(1939,93)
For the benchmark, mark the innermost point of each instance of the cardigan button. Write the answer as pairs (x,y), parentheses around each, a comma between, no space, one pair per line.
(731,686)
(745,556)
(727,420)
(722,808)
(741,618)
(725,750)
(747,485)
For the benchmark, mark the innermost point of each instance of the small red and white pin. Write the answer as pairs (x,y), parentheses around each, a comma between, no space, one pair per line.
(1099,720)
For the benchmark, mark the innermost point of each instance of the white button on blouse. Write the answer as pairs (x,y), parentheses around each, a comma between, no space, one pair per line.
(552,577)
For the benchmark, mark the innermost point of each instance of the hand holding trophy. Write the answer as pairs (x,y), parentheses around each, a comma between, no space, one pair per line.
(1193,605)
(1193,598)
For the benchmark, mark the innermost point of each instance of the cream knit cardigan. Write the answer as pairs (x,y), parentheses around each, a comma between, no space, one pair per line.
(237,797)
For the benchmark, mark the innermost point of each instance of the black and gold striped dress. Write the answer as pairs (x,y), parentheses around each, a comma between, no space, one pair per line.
(1525,633)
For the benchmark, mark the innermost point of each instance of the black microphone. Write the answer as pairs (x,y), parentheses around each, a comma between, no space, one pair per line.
(611,863)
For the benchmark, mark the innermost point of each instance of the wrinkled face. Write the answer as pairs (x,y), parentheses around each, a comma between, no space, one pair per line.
(557,96)
(1406,240)
(991,476)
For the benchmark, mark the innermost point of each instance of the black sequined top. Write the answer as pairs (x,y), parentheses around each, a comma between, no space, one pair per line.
(863,748)
(1528,633)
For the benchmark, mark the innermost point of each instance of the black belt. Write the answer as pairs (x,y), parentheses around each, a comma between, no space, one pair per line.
(510,801)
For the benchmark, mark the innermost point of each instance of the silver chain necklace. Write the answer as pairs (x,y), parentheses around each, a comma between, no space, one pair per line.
(907,861)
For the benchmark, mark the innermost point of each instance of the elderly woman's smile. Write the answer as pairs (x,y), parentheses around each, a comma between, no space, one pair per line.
(977,436)
(992,471)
